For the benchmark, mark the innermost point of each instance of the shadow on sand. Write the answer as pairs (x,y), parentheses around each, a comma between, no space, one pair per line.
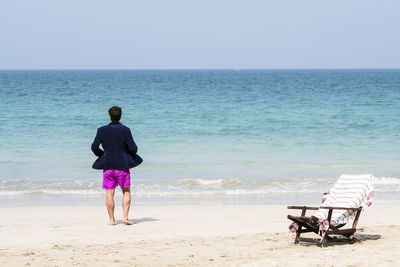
(148,219)
(340,241)
(136,221)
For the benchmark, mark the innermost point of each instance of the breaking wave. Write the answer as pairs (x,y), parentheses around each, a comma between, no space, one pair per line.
(186,187)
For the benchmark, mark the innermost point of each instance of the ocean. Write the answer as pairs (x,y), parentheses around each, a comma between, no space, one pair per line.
(206,136)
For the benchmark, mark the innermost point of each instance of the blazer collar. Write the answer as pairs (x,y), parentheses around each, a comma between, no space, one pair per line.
(115,122)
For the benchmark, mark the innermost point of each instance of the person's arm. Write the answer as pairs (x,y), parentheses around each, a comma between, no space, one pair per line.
(130,143)
(96,145)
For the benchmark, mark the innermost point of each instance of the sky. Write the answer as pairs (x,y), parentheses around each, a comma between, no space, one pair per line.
(202,34)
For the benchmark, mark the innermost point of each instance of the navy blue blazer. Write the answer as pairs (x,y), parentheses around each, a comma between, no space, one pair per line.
(119,148)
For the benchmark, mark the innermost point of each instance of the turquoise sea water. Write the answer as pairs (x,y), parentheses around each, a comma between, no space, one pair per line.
(206,136)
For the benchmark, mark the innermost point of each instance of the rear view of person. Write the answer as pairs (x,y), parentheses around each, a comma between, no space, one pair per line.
(119,155)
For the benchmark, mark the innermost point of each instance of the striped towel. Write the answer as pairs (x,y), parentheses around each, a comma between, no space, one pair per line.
(350,191)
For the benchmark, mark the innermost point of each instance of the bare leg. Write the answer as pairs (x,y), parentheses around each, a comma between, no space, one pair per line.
(126,203)
(110,205)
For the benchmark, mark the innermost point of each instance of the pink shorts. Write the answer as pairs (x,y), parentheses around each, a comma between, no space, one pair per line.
(112,178)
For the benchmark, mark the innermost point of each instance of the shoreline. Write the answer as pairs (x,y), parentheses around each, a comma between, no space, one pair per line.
(226,235)
(301,198)
(194,191)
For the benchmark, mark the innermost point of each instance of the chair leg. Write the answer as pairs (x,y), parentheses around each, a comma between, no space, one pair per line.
(323,243)
(296,240)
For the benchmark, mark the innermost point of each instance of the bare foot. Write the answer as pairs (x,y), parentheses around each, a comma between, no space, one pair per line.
(112,222)
(127,222)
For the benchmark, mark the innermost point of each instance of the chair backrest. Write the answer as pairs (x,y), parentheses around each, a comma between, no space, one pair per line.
(350,191)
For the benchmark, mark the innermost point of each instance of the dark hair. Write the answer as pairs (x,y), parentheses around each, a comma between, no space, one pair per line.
(115,113)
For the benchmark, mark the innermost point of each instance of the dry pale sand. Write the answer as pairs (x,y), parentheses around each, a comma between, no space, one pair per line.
(254,235)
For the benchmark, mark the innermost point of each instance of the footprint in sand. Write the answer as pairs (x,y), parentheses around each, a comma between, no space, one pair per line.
(29,253)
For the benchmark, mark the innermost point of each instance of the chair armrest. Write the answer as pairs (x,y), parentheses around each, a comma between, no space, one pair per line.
(302,207)
(340,208)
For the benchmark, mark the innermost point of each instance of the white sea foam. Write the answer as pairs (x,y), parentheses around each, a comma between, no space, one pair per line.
(199,182)
(15,192)
(187,187)
(49,192)
(387,181)
(72,192)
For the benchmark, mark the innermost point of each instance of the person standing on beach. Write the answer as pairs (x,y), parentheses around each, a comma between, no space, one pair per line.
(119,155)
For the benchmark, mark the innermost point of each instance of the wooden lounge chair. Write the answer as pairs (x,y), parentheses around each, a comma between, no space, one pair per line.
(311,224)
(341,205)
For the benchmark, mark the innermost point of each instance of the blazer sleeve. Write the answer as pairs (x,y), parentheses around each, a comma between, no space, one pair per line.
(130,143)
(96,145)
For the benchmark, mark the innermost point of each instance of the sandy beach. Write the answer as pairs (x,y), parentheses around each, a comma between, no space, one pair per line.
(197,235)
(217,115)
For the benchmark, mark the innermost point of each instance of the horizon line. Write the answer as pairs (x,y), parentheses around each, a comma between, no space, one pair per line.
(188,69)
